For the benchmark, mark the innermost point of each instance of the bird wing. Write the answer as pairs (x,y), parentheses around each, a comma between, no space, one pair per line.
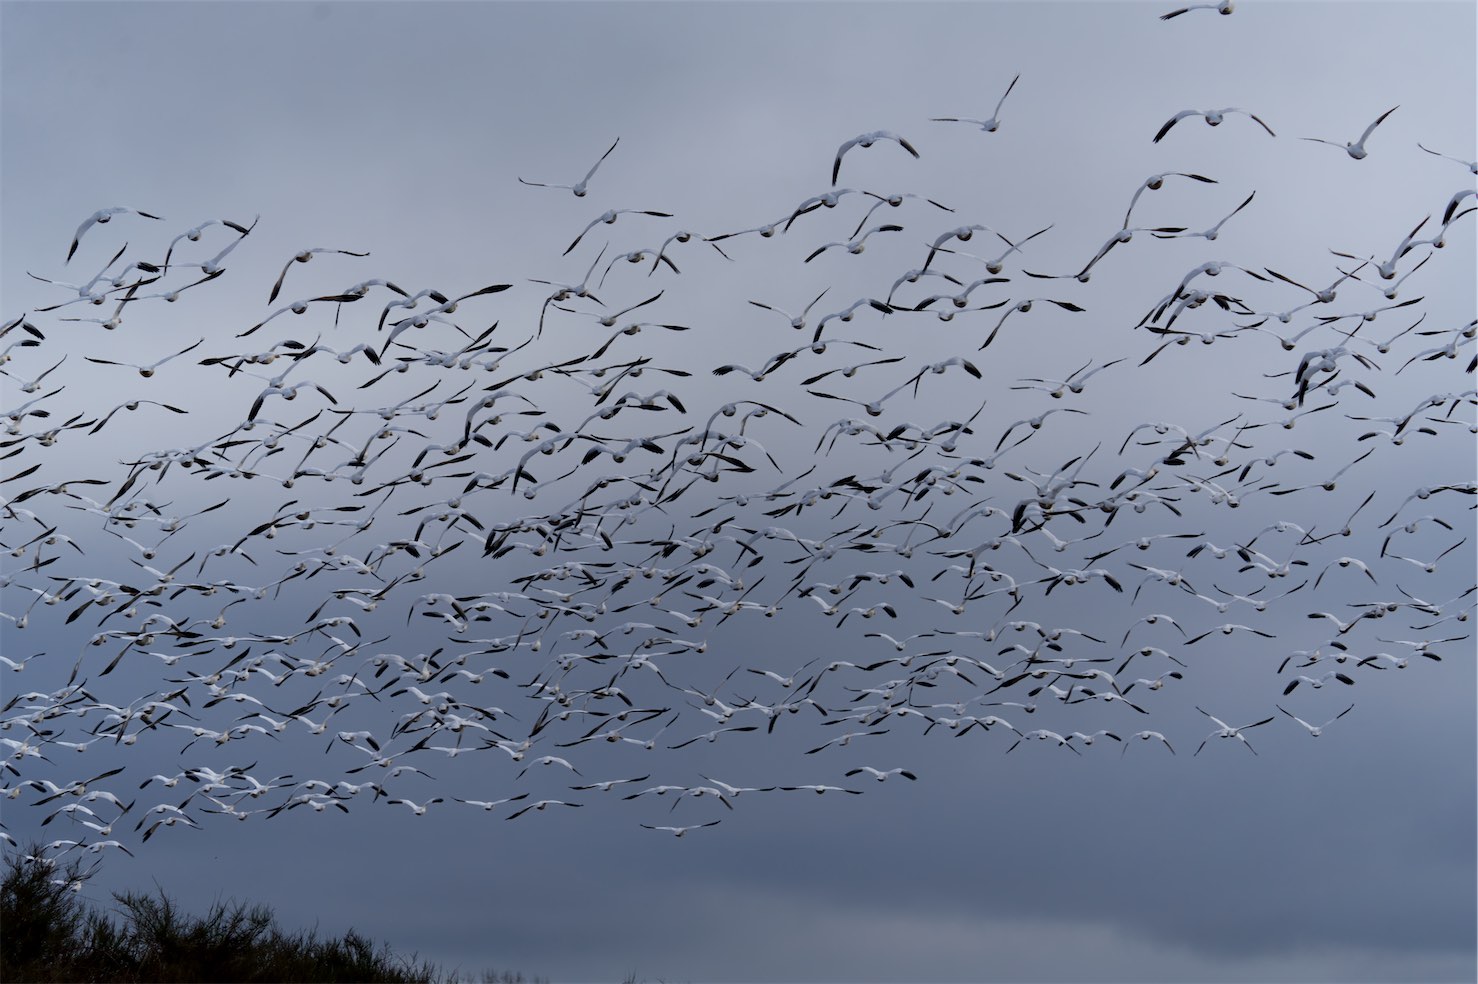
(277,287)
(1256,119)
(594,222)
(1005,94)
(1174,120)
(1378,121)
(591,173)
(77,237)
(836,167)
(821,249)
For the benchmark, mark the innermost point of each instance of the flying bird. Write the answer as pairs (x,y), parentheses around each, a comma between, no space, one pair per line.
(867,140)
(579,187)
(106,215)
(1224,730)
(610,216)
(303,257)
(1315,730)
(855,245)
(1157,181)
(1472,166)
(1221,7)
(990,125)
(1213,117)
(881,775)
(679,831)
(1357,148)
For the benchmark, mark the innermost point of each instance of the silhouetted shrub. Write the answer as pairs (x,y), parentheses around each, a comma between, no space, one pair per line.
(48,932)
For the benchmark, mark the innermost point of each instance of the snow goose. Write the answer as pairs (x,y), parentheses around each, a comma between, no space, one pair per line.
(1315,730)
(608,217)
(1472,166)
(303,256)
(867,140)
(988,126)
(1224,730)
(1149,736)
(855,245)
(106,215)
(1356,149)
(1213,117)
(680,831)
(579,187)
(1220,6)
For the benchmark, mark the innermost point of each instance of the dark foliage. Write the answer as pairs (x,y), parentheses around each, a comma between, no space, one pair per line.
(48,932)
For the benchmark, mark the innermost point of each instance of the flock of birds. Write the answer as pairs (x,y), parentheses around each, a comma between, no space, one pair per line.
(572,555)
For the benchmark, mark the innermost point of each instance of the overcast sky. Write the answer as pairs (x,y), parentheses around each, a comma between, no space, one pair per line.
(401,130)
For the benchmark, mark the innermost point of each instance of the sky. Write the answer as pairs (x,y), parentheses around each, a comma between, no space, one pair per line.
(401,130)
